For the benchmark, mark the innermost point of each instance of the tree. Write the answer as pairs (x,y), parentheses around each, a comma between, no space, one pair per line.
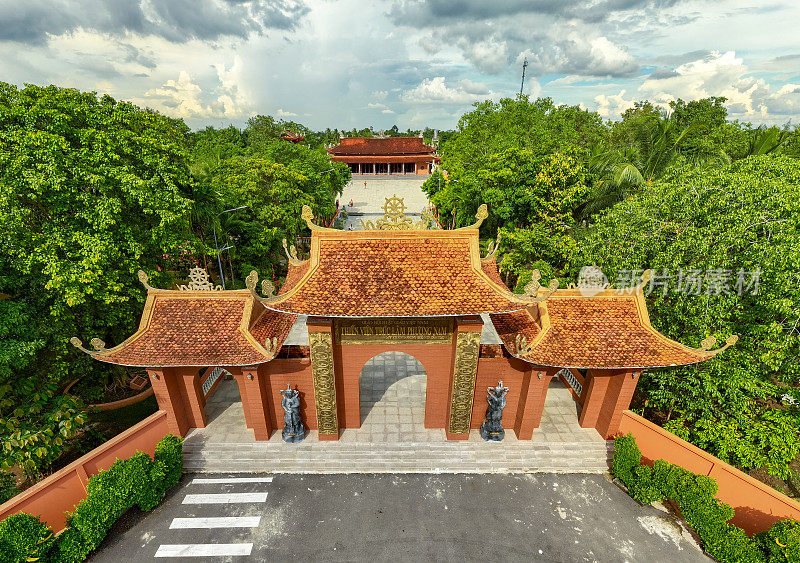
(725,225)
(91,190)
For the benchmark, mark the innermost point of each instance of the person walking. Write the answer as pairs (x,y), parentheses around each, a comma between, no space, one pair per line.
(365,184)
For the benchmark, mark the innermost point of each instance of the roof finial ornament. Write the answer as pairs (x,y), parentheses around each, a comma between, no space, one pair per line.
(531,290)
(710,342)
(266,286)
(199,281)
(308,216)
(647,275)
(522,347)
(144,279)
(271,345)
(291,254)
(481,215)
(493,247)
(98,345)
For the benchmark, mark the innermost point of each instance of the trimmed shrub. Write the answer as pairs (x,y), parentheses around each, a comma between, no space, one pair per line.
(23,536)
(169,451)
(136,481)
(626,458)
(781,543)
(696,497)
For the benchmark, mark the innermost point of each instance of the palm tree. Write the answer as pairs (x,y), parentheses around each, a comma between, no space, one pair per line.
(765,140)
(622,172)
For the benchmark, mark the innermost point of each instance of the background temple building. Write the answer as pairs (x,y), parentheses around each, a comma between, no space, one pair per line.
(385,155)
(421,292)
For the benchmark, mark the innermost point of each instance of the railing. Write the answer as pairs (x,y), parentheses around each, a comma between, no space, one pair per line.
(574,381)
(211,380)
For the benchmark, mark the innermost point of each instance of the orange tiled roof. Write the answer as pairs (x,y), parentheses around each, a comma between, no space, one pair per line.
(200,328)
(605,331)
(381,146)
(395,274)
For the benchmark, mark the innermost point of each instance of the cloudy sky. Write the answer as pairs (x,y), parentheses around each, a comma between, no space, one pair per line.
(355,63)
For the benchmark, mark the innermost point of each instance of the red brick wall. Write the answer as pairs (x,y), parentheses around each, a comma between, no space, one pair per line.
(618,398)
(297,372)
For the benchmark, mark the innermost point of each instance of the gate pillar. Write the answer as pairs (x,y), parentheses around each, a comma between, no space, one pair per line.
(320,339)
(466,349)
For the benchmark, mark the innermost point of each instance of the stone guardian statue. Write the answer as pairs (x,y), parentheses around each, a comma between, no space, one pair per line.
(293,429)
(492,427)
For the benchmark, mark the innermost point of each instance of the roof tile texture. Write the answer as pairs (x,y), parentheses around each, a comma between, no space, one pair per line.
(396,276)
(381,146)
(594,332)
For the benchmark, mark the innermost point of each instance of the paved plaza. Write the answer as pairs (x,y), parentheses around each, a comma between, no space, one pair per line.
(393,438)
(368,202)
(533,517)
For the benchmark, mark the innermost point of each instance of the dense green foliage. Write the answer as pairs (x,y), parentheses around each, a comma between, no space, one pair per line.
(695,496)
(137,481)
(92,190)
(688,194)
(730,406)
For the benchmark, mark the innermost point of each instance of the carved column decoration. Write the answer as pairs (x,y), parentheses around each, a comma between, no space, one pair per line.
(464,373)
(321,344)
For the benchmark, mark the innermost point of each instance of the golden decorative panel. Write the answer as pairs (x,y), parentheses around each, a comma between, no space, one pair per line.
(321,344)
(394,330)
(464,373)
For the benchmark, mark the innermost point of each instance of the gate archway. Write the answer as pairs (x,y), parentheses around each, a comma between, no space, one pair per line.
(392,393)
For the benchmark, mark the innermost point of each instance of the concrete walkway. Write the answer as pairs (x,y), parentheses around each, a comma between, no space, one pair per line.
(392,438)
(368,202)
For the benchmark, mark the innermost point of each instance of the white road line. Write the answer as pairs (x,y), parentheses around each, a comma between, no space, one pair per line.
(225,498)
(204,549)
(216,522)
(228,480)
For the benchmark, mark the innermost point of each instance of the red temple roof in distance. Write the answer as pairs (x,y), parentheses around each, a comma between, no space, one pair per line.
(201,328)
(610,330)
(360,146)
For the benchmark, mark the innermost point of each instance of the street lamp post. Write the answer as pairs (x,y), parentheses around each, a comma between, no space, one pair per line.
(216,245)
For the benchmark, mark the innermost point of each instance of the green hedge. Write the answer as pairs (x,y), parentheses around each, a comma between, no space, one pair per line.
(708,516)
(136,481)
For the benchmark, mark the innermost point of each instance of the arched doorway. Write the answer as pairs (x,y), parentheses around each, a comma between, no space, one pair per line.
(392,390)
(223,403)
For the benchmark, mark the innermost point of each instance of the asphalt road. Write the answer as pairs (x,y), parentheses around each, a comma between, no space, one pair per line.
(408,517)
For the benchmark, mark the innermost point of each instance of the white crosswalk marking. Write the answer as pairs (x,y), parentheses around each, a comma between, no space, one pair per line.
(231,480)
(225,498)
(216,522)
(204,549)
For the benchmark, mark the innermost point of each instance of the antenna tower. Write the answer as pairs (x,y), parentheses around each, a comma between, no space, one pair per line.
(524,66)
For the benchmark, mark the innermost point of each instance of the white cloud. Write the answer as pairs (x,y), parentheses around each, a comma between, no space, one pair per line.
(387,111)
(179,98)
(435,91)
(613,105)
(283,113)
(372,105)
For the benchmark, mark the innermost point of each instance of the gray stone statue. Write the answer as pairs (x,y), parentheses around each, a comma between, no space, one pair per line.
(293,429)
(492,427)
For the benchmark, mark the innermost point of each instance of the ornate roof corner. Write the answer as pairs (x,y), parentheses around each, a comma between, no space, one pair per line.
(271,346)
(647,276)
(710,342)
(532,288)
(308,216)
(199,281)
(144,279)
(521,346)
(98,345)
(493,247)
(481,215)
(266,287)
(291,254)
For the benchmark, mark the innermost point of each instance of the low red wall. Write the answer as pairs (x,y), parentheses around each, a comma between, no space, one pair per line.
(52,497)
(757,505)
